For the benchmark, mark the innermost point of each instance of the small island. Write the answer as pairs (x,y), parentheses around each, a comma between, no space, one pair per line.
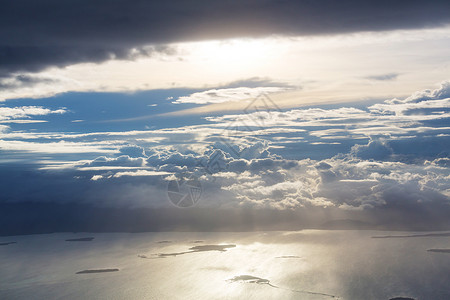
(439,250)
(97,271)
(8,243)
(288,256)
(440,234)
(258,280)
(85,239)
(201,248)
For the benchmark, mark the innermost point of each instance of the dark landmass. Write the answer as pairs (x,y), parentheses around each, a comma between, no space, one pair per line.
(97,271)
(8,243)
(164,242)
(249,279)
(439,250)
(86,239)
(211,248)
(258,280)
(202,248)
(412,236)
(401,298)
(197,242)
(288,256)
(40,218)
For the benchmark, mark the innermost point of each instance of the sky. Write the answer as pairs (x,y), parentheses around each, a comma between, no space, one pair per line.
(267,114)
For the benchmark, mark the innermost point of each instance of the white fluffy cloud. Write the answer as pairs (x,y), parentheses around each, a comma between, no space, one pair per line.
(12,114)
(346,183)
(441,93)
(228,94)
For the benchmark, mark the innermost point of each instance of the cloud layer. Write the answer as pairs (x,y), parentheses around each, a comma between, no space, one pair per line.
(385,159)
(54,33)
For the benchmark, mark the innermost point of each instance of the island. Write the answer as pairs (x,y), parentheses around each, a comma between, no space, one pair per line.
(97,271)
(8,243)
(439,250)
(85,239)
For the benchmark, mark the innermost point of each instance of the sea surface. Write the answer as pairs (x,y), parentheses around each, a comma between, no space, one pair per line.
(309,264)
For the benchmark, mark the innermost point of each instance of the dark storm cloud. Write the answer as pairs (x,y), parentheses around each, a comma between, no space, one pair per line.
(38,34)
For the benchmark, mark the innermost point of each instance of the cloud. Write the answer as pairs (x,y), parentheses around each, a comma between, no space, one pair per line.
(440,93)
(62,33)
(132,151)
(444,162)
(225,95)
(383,77)
(297,133)
(4,128)
(14,113)
(342,183)
(61,147)
(28,85)
(379,162)
(413,131)
(345,182)
(34,57)
(331,126)
(378,150)
(255,82)
(20,81)
(141,173)
(123,160)
(129,173)
(361,180)
(238,90)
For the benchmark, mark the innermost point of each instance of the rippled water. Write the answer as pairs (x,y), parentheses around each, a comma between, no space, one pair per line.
(307,264)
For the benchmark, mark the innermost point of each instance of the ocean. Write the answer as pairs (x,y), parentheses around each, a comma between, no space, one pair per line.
(309,264)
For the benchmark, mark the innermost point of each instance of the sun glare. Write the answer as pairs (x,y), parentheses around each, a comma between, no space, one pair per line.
(236,52)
